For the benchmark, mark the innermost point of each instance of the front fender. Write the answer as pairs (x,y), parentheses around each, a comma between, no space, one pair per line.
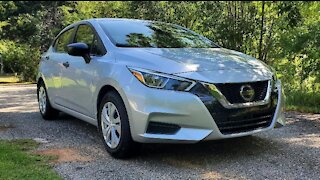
(281,120)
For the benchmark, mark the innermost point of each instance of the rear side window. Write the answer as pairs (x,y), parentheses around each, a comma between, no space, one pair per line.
(63,40)
(85,34)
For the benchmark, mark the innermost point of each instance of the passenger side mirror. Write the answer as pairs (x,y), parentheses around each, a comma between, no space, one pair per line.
(79,49)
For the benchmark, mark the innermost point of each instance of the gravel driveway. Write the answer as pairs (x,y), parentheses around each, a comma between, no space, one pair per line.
(292,152)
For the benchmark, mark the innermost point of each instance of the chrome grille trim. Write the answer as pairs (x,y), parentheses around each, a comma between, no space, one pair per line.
(225,103)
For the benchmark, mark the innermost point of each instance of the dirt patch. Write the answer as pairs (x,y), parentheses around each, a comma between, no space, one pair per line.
(65,155)
(212,175)
(6,127)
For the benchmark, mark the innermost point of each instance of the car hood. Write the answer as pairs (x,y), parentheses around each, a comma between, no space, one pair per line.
(196,62)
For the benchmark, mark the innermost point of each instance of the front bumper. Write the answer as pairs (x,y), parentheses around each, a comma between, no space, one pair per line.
(184,109)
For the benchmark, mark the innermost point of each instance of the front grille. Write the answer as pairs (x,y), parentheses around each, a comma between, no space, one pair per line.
(248,122)
(237,120)
(232,91)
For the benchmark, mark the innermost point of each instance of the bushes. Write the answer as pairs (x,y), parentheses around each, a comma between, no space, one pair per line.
(21,59)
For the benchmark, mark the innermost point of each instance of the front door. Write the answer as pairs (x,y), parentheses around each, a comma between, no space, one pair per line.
(77,77)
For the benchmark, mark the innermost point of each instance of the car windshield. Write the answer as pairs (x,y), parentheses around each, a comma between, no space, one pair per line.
(146,34)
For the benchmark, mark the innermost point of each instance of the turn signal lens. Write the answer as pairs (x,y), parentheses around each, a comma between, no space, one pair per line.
(138,75)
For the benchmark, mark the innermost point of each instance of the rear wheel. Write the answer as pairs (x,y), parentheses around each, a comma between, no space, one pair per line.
(114,127)
(46,110)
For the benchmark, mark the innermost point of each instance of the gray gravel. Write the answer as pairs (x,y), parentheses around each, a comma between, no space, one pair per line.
(292,152)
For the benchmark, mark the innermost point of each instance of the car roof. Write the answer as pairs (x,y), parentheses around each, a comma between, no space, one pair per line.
(115,19)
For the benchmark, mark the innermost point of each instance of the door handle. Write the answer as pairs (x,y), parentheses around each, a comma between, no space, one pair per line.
(66,64)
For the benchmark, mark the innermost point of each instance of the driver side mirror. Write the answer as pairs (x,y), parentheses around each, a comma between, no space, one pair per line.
(79,49)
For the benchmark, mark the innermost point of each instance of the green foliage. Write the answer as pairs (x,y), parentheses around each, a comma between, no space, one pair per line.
(297,56)
(303,101)
(20,58)
(16,163)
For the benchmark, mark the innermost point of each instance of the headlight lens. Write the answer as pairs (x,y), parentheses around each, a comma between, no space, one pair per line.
(161,81)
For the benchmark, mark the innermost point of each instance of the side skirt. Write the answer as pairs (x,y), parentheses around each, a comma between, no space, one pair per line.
(76,114)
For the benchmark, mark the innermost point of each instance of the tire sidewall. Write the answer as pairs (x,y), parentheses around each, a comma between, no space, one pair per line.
(47,101)
(50,113)
(125,130)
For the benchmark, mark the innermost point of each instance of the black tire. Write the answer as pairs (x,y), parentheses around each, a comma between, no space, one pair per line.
(126,147)
(49,113)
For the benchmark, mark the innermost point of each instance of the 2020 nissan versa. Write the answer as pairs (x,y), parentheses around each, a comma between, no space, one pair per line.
(151,82)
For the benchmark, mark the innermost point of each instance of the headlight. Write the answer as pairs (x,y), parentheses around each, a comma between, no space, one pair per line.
(161,81)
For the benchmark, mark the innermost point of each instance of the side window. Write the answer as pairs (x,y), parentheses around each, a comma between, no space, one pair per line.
(86,35)
(63,41)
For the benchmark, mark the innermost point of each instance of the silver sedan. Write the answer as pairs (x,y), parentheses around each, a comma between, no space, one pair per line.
(151,82)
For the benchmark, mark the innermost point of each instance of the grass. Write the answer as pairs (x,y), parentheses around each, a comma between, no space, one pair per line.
(17,163)
(9,79)
(303,102)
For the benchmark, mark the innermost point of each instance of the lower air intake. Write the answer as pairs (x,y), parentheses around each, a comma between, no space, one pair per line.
(162,128)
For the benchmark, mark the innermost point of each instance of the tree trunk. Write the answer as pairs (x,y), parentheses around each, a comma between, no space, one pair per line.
(1,65)
(261,31)
(268,45)
(241,35)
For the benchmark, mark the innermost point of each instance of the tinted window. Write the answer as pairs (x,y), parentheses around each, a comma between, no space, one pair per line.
(63,41)
(153,34)
(85,34)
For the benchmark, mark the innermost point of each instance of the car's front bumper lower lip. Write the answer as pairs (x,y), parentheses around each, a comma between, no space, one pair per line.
(183,109)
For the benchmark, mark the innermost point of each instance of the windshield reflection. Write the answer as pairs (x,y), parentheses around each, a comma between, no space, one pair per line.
(147,34)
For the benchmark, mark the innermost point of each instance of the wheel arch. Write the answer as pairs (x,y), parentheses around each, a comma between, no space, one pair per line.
(39,81)
(107,88)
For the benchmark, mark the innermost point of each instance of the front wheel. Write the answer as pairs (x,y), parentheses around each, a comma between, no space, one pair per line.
(113,125)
